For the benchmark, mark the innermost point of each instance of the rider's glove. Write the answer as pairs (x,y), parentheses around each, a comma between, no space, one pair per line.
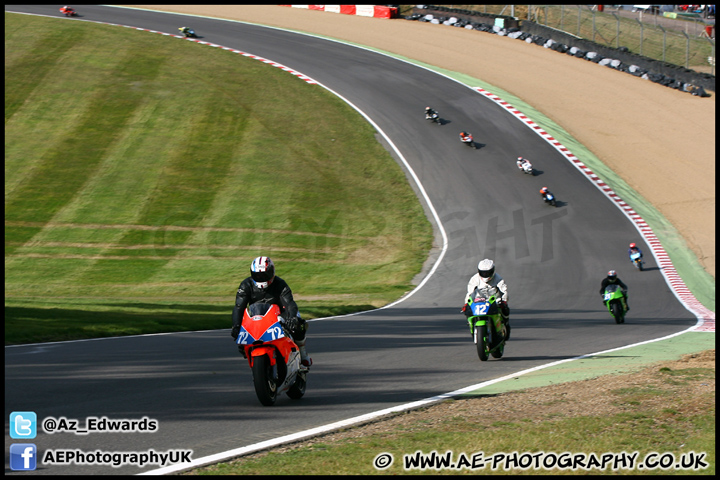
(463,309)
(235,331)
(292,324)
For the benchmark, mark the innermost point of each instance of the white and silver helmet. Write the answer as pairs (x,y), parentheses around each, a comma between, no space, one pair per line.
(486,269)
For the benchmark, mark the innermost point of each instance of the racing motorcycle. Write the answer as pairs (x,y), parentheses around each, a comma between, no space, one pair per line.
(613,300)
(486,326)
(273,355)
(549,198)
(435,118)
(189,33)
(637,260)
(68,12)
(467,140)
(525,167)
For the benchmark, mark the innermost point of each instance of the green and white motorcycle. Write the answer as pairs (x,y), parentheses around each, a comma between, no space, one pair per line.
(486,325)
(613,299)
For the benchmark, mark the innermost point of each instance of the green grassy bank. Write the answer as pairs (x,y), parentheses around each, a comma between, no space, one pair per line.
(143,173)
(663,411)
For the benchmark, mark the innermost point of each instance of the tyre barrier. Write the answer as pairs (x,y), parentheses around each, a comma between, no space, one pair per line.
(621,59)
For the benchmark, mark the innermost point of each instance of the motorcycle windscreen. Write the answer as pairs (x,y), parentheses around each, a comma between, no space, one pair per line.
(612,291)
(259,309)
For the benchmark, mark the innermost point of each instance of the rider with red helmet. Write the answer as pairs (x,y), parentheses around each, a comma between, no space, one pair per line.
(634,249)
(544,192)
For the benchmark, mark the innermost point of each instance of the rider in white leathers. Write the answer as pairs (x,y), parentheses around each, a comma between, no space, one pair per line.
(487,279)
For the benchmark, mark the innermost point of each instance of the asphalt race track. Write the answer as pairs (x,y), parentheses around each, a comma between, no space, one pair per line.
(200,391)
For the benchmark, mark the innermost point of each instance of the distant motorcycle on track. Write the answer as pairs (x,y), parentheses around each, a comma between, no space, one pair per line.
(548,197)
(188,32)
(467,139)
(68,12)
(637,260)
(525,166)
(434,117)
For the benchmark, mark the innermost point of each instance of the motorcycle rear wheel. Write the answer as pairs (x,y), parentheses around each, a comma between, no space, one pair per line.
(496,345)
(265,385)
(498,352)
(481,342)
(298,389)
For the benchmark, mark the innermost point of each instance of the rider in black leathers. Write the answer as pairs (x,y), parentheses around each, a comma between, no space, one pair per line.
(264,287)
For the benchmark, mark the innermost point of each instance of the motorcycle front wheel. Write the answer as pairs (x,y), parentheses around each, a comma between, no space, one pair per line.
(617,312)
(265,382)
(481,342)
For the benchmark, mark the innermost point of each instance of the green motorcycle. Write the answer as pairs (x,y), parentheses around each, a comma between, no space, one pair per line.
(613,299)
(486,325)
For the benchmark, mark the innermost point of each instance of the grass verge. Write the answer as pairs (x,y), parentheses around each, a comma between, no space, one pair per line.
(666,409)
(143,173)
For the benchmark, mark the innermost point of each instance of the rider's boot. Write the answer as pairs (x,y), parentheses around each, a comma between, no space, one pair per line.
(305,360)
(505,316)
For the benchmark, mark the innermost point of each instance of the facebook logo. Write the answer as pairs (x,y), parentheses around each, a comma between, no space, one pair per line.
(23,456)
(23,425)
